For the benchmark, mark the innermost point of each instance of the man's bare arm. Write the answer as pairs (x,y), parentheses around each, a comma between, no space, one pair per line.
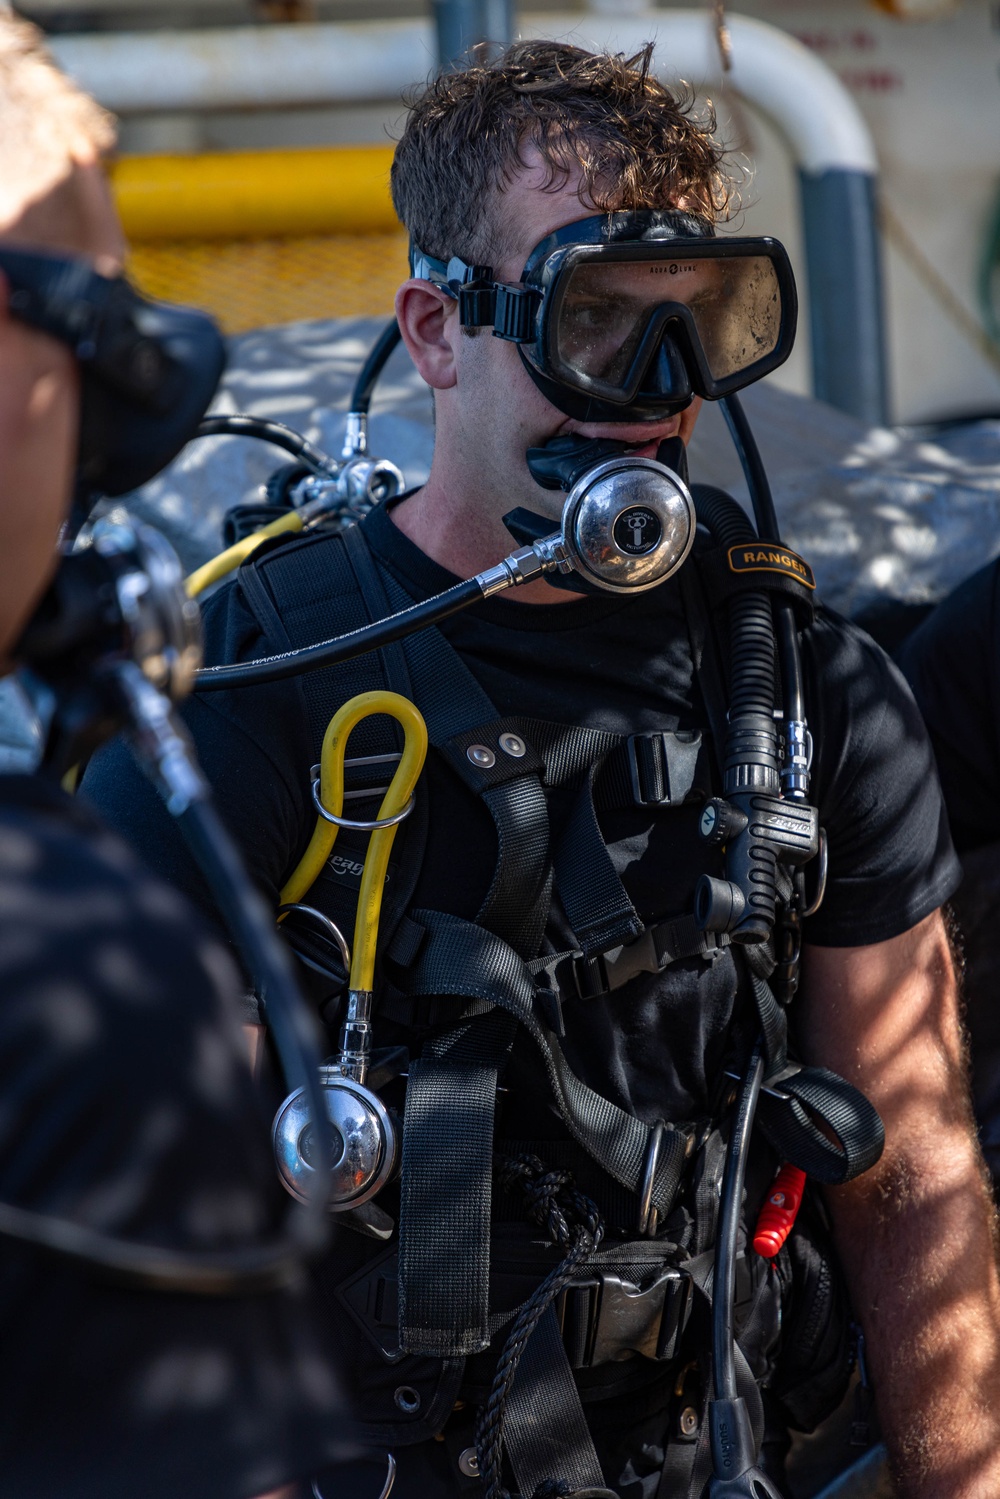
(916,1234)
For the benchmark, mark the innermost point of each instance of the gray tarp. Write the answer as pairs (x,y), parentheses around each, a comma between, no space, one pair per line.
(879,514)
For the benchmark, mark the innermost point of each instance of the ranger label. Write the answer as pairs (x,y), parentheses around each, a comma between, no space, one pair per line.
(759,557)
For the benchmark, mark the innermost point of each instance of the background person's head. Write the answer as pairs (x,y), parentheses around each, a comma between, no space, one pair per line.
(492,159)
(53,197)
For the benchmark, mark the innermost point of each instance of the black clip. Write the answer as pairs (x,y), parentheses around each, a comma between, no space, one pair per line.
(647,769)
(476,304)
(514,318)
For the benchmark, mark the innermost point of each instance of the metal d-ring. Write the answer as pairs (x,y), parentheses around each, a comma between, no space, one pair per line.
(330,927)
(390,1479)
(361,827)
(824,861)
(648,1214)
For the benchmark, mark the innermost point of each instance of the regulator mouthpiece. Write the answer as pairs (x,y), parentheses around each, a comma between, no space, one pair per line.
(628,523)
(364,1142)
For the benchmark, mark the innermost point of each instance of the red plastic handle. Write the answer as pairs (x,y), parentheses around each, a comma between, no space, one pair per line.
(777,1216)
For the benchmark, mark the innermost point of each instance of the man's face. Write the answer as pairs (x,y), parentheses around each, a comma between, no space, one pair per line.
(39,395)
(495,412)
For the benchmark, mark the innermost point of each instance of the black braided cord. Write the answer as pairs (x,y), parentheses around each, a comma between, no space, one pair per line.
(573,1221)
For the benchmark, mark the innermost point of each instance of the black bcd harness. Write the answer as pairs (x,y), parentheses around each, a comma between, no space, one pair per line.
(462,991)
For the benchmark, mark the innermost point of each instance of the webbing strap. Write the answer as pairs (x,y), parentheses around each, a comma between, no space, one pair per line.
(773,1025)
(464,959)
(446,1190)
(516,906)
(545,1433)
(677,1476)
(596,903)
(783,1115)
(378,606)
(517,903)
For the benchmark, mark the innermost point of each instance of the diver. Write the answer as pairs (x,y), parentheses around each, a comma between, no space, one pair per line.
(527,1307)
(130,1121)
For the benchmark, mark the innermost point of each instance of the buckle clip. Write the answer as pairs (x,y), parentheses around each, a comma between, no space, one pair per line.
(647,770)
(663,768)
(514,319)
(605,1319)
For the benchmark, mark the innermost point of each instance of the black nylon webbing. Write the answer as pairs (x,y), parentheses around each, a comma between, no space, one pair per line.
(545,1432)
(846,1112)
(446,1188)
(517,904)
(378,606)
(773,1025)
(468,960)
(596,903)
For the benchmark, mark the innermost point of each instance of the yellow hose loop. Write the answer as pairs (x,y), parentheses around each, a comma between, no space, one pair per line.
(230,559)
(331,792)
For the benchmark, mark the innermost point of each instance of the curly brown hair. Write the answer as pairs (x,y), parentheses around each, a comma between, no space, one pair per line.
(635,143)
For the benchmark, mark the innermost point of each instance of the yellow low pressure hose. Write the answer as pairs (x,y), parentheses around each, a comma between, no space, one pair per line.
(331,796)
(232,557)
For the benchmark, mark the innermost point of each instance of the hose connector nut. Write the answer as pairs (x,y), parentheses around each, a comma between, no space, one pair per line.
(720,821)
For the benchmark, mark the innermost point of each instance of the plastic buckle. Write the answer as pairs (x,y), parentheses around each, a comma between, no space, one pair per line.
(590,975)
(476,305)
(647,765)
(604,1319)
(514,319)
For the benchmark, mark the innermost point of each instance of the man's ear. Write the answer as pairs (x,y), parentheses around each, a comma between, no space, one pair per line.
(425,313)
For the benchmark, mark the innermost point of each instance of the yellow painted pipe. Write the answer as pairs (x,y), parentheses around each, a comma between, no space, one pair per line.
(255,194)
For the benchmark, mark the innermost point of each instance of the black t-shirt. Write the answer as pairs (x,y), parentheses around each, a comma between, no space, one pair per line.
(126,1104)
(953,664)
(623,665)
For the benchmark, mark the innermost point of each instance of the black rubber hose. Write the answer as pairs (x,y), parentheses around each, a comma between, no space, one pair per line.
(252,929)
(745,902)
(361,396)
(793,696)
(241,425)
(789,655)
(753,468)
(730,1203)
(226,1272)
(751,664)
(344,647)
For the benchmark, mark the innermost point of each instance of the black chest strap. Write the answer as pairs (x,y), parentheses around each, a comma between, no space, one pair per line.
(463,959)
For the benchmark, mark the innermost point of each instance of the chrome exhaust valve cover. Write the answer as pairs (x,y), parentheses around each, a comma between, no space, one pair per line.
(364,1142)
(628,524)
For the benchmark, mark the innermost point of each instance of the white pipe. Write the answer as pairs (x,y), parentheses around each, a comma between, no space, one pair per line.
(285,66)
(818,118)
(245,67)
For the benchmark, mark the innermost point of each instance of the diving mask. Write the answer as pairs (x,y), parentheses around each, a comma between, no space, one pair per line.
(626,316)
(148,369)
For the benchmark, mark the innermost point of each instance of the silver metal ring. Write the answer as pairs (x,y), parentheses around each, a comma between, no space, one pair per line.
(647,1212)
(824,862)
(390,1479)
(330,927)
(361,827)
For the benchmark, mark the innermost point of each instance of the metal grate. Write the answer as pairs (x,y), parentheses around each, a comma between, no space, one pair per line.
(256,283)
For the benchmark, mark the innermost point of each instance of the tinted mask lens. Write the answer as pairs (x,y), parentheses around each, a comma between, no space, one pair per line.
(611,319)
(619,323)
(148,369)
